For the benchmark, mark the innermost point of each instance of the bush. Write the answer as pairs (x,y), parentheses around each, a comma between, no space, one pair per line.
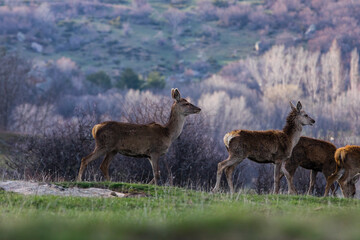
(129,79)
(155,80)
(100,79)
(220,3)
(55,154)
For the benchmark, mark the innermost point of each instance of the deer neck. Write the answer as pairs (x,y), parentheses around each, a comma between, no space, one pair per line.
(175,124)
(293,130)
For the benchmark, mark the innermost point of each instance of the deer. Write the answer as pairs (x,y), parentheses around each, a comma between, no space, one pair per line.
(314,154)
(270,146)
(139,140)
(347,160)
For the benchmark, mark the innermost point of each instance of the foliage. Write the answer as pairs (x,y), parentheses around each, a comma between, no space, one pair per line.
(220,3)
(129,79)
(100,79)
(155,80)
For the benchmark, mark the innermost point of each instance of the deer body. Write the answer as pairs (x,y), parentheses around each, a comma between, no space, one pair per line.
(125,138)
(347,160)
(271,146)
(314,154)
(138,140)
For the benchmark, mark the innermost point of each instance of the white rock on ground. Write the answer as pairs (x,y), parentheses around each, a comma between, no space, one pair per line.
(35,188)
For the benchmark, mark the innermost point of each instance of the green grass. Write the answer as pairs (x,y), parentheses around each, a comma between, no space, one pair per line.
(176,213)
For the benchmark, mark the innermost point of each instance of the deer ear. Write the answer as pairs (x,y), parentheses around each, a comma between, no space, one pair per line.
(175,94)
(292,106)
(299,106)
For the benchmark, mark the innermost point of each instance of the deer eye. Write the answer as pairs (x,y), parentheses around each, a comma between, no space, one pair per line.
(306,115)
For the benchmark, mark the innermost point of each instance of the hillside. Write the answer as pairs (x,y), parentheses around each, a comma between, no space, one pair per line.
(113,35)
(177,213)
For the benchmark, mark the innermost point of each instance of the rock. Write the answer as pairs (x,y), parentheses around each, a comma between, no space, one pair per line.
(310,31)
(37,47)
(20,37)
(34,188)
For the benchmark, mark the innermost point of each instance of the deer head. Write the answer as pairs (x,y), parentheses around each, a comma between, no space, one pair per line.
(301,116)
(348,188)
(181,105)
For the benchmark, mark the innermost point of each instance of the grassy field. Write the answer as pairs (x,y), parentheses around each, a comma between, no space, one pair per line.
(177,213)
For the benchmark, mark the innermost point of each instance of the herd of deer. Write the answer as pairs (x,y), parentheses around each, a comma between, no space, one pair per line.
(284,148)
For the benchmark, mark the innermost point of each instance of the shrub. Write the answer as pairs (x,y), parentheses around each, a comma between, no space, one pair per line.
(129,79)
(234,15)
(141,10)
(100,79)
(155,80)
(56,153)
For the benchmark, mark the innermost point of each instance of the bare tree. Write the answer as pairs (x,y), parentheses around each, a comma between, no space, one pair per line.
(13,84)
(354,70)
(174,17)
(331,76)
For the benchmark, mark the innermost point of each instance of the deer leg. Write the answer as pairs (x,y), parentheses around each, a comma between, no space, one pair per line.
(313,174)
(281,175)
(89,158)
(334,189)
(277,174)
(104,167)
(229,175)
(154,160)
(289,179)
(230,161)
(170,176)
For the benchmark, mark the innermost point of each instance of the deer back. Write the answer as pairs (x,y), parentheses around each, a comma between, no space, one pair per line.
(315,154)
(259,146)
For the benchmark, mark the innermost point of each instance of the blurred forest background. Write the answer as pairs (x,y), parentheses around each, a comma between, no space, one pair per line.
(67,65)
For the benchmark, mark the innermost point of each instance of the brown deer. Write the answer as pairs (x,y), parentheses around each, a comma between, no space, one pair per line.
(310,153)
(347,171)
(138,140)
(271,146)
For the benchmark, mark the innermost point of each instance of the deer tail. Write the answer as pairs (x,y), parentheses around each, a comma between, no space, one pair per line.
(95,129)
(227,139)
(340,156)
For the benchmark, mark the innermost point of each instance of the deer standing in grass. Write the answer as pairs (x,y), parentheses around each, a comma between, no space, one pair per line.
(138,140)
(314,154)
(347,171)
(271,146)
